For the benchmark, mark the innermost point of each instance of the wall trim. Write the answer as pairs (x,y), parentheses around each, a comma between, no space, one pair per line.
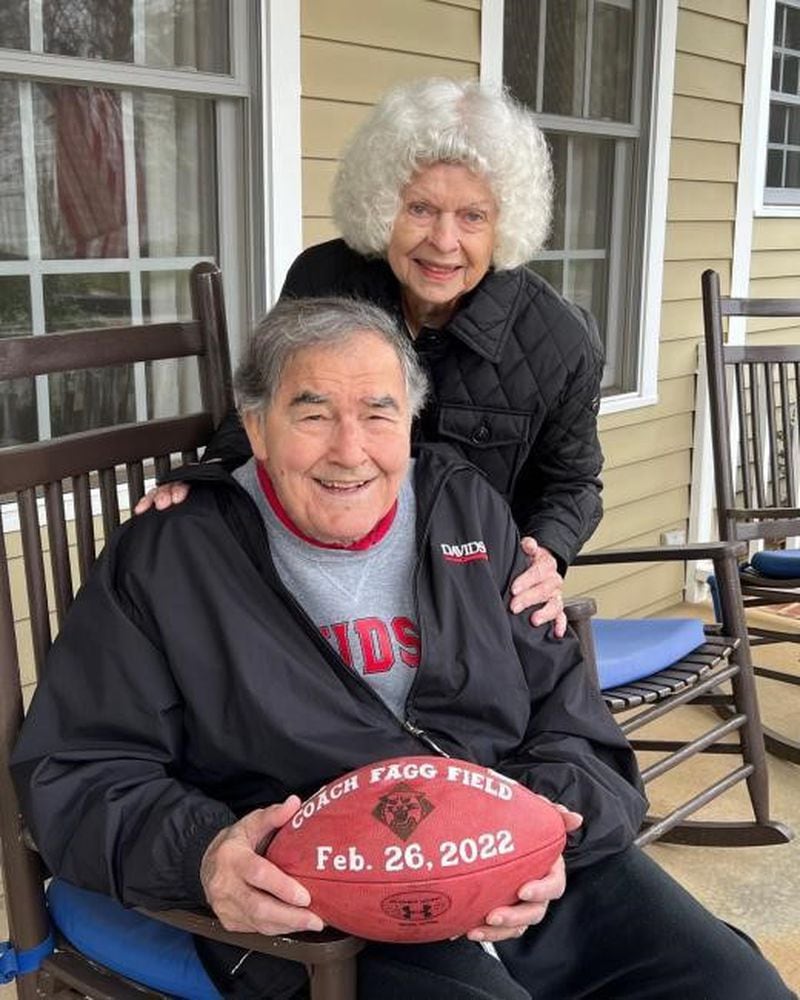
(281,146)
(749,194)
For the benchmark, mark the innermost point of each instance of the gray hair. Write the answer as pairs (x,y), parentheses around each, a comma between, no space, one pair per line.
(446,121)
(295,324)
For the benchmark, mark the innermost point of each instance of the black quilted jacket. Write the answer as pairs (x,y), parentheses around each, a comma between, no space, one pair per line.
(516,389)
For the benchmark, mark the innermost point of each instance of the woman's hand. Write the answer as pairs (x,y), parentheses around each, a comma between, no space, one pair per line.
(541,585)
(247,892)
(506,922)
(162,497)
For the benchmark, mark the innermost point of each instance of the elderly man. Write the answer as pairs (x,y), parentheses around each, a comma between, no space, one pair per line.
(304,618)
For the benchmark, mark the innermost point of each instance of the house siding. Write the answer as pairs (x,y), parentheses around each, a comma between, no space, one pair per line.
(350,55)
(775,273)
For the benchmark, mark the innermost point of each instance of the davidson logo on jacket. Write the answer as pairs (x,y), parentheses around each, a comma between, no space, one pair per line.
(464,552)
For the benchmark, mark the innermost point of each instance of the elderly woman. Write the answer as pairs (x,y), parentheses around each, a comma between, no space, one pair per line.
(301,618)
(442,195)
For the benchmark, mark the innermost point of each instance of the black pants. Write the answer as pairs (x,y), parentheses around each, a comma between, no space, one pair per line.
(624,930)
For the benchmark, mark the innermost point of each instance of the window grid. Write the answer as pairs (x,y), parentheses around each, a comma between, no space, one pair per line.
(782,179)
(619,314)
(35,267)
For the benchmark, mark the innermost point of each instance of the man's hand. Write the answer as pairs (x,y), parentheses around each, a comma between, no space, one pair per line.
(506,922)
(162,497)
(247,892)
(540,584)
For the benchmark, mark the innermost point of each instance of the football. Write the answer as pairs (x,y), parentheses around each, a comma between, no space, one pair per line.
(417,848)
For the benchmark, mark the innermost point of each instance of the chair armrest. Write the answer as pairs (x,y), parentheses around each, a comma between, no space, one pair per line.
(665,553)
(325,946)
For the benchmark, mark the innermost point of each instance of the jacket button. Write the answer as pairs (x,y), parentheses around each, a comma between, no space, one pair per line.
(481,434)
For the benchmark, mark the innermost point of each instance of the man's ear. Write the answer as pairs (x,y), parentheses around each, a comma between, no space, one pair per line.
(253,424)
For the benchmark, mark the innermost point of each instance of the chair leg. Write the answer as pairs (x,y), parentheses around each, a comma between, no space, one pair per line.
(333,980)
(696,833)
(782,746)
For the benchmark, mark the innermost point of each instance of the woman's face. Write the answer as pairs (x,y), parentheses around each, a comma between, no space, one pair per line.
(442,239)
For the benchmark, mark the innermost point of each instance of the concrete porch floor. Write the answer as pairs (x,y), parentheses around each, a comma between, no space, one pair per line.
(758,888)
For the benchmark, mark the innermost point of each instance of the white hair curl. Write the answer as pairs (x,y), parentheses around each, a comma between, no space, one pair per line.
(446,121)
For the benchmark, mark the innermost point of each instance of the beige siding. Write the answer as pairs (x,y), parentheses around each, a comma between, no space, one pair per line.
(648,450)
(775,272)
(350,55)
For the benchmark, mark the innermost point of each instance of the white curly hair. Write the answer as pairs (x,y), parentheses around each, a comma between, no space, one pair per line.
(446,121)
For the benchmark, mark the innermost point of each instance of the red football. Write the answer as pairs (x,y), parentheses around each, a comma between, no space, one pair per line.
(417,848)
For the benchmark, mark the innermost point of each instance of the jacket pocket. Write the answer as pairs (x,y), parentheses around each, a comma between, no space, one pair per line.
(497,441)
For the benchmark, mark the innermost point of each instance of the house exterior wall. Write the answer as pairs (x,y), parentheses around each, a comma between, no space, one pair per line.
(351,53)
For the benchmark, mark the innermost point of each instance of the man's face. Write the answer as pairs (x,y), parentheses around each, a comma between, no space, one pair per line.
(336,439)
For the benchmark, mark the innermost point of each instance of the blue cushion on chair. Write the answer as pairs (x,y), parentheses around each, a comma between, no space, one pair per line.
(149,952)
(629,649)
(783,564)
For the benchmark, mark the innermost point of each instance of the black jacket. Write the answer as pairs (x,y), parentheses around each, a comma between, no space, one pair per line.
(516,389)
(187,687)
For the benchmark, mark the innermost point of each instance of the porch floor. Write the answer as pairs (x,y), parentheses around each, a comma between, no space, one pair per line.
(757,888)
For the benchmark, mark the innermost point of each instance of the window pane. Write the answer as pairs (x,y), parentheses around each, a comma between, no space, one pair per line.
(176,34)
(18,398)
(173,386)
(13,236)
(789,82)
(777,123)
(521,49)
(793,130)
(89,29)
(187,34)
(780,14)
(774,168)
(590,184)
(565,58)
(98,397)
(586,286)
(558,143)
(176,175)
(792,38)
(792,179)
(612,63)
(775,81)
(80,171)
(552,271)
(14,25)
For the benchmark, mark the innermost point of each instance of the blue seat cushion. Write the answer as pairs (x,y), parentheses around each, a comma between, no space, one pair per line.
(784,564)
(629,649)
(145,950)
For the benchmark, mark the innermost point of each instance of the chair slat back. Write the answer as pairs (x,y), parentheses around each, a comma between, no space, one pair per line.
(765,383)
(70,494)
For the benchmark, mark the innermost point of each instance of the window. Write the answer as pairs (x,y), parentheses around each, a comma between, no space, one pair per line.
(583,66)
(782,185)
(121,136)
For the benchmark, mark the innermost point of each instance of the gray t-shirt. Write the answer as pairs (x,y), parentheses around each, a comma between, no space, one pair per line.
(362,600)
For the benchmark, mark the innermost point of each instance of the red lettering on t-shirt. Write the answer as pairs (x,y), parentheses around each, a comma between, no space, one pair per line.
(407,635)
(376,645)
(340,630)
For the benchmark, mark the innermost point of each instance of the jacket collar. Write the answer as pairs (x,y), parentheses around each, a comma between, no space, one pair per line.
(484,320)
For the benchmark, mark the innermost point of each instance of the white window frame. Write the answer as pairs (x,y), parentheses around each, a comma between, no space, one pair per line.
(656,188)
(762,18)
(254,256)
